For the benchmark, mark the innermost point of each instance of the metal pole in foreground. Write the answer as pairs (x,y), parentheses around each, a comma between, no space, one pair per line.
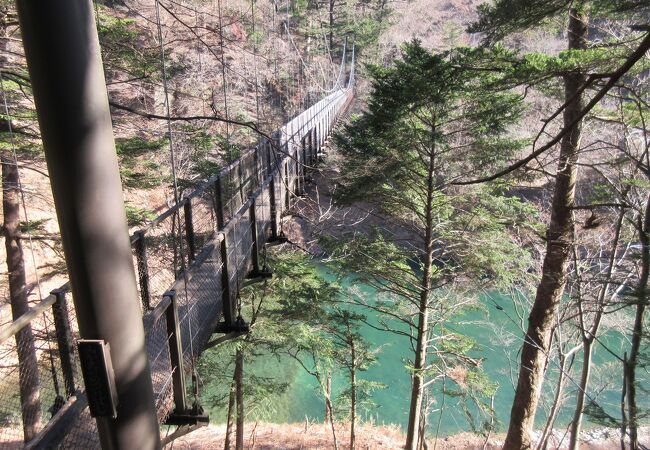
(62,50)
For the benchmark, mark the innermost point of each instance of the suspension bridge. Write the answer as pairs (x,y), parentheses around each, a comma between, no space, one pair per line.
(189,263)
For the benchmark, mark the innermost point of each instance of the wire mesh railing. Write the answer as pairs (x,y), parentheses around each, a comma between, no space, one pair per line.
(190,263)
(42,392)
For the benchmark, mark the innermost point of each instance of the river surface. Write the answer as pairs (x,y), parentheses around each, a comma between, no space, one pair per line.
(494,325)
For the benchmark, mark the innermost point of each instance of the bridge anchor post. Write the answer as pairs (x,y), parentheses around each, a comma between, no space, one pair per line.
(64,340)
(218,204)
(257,271)
(189,230)
(140,248)
(182,415)
(175,352)
(67,78)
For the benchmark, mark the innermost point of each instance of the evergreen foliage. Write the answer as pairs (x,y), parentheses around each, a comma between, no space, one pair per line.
(428,104)
(501,18)
(430,120)
(299,321)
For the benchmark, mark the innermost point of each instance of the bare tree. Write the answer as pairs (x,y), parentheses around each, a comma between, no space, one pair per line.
(559,242)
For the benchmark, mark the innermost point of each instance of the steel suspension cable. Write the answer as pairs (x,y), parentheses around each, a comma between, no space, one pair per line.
(12,139)
(257,81)
(306,67)
(224,80)
(175,181)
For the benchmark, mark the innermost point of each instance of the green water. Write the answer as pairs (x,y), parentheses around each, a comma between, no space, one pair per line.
(495,328)
(488,326)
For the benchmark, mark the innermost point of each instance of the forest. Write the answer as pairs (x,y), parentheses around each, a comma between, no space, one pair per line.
(464,263)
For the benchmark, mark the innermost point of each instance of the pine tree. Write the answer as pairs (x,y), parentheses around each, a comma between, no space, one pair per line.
(429,120)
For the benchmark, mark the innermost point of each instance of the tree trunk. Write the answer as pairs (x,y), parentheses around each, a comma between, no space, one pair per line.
(353,394)
(231,407)
(554,271)
(623,401)
(576,423)
(422,442)
(417,386)
(239,396)
(557,400)
(589,336)
(637,333)
(330,411)
(30,403)
(328,393)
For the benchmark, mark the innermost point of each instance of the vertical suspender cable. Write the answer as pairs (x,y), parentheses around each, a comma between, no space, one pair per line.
(20,186)
(173,168)
(172,157)
(223,79)
(289,78)
(257,83)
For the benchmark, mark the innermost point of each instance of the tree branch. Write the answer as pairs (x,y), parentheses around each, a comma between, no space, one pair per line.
(639,53)
(146,115)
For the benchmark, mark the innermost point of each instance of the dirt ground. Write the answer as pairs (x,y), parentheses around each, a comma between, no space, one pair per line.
(267,436)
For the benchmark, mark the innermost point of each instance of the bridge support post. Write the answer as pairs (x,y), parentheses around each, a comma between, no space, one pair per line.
(176,353)
(143,269)
(320,133)
(289,183)
(307,154)
(287,186)
(273,208)
(273,168)
(318,139)
(299,166)
(311,146)
(308,146)
(64,340)
(240,180)
(255,254)
(322,137)
(218,204)
(256,169)
(226,296)
(189,230)
(304,165)
(65,67)
(257,271)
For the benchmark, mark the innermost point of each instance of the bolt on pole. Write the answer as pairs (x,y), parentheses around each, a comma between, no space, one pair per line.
(64,60)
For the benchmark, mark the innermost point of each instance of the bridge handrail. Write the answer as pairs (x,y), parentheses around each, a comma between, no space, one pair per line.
(225,170)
